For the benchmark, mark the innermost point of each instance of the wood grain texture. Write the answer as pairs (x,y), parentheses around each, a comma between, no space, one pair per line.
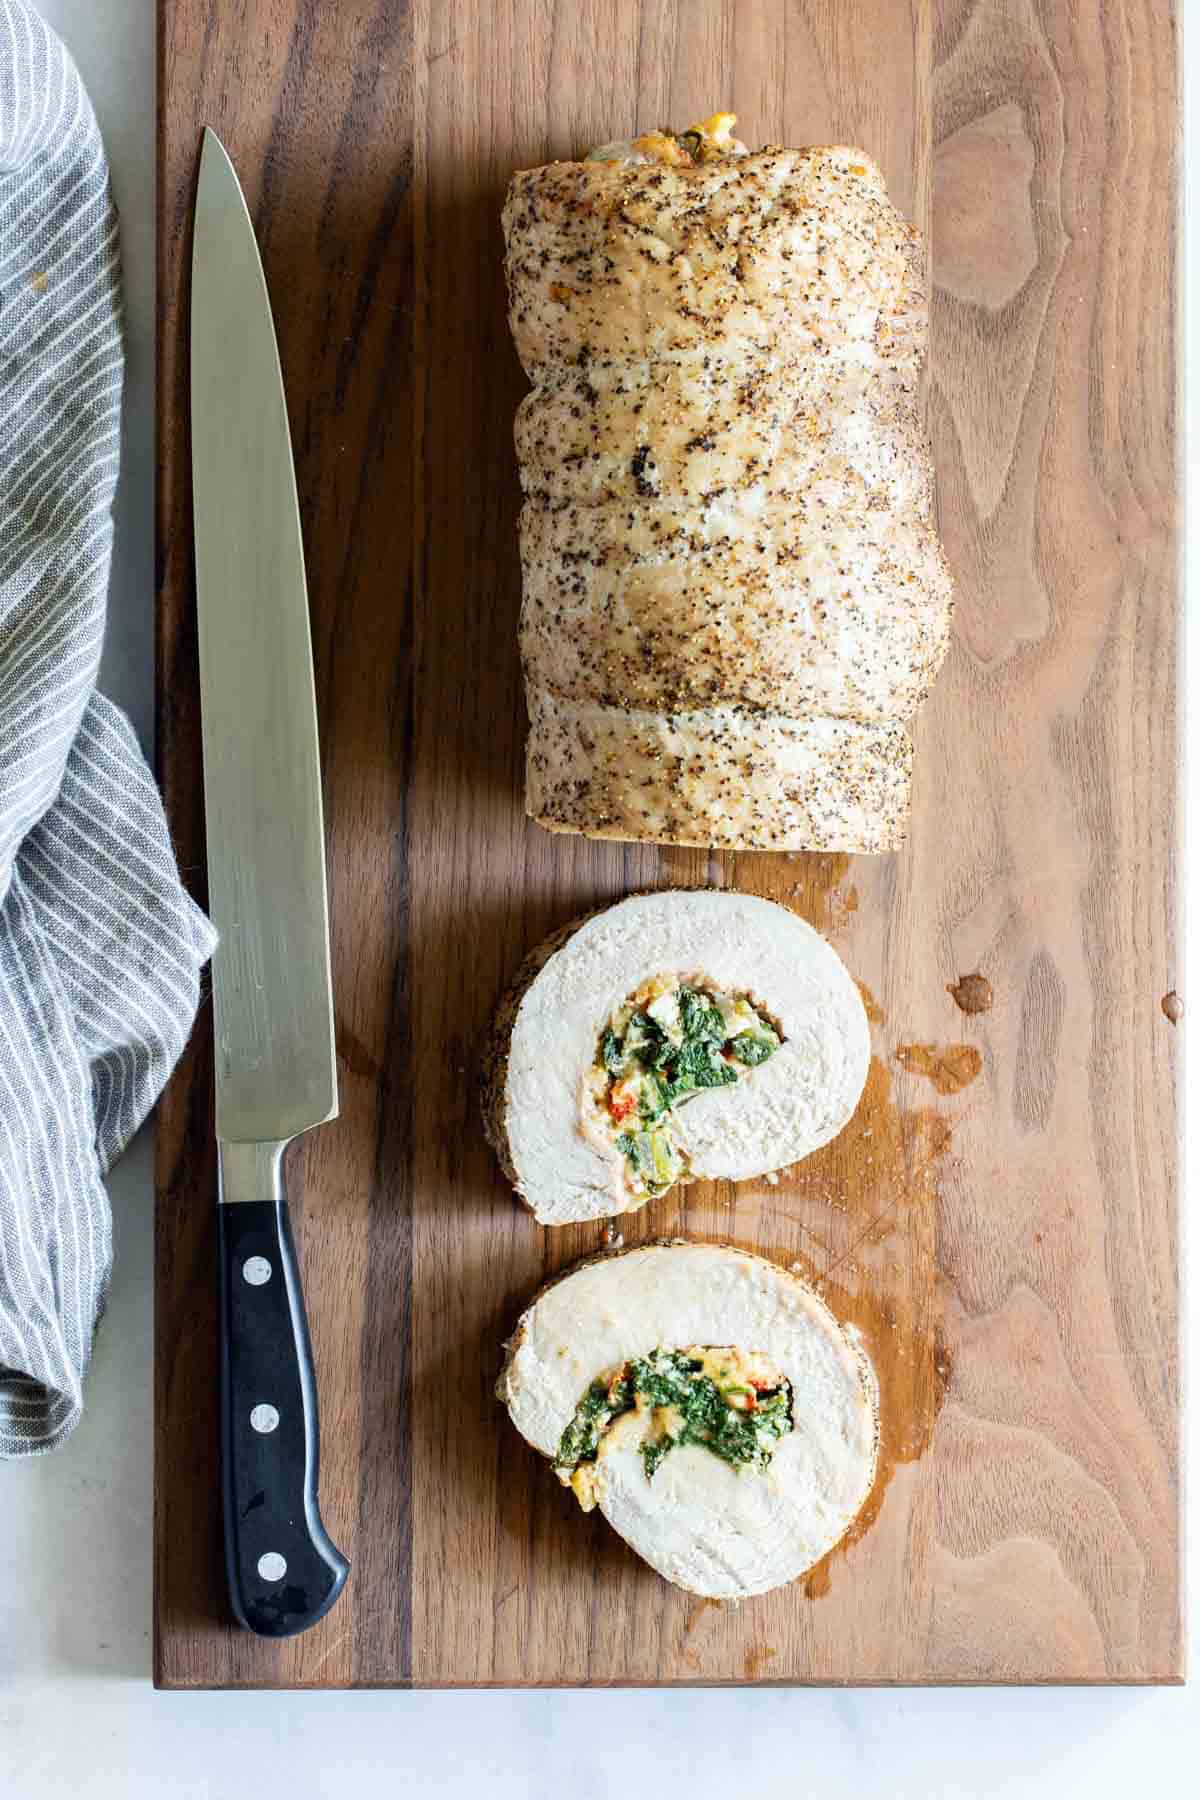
(1009,1247)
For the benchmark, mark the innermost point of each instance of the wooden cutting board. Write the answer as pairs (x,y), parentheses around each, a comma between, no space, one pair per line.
(1000,1216)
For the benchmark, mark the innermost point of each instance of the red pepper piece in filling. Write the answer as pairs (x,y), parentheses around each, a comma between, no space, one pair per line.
(622,1100)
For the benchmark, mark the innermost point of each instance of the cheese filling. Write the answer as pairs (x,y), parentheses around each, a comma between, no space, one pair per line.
(708,142)
(668,1042)
(733,1402)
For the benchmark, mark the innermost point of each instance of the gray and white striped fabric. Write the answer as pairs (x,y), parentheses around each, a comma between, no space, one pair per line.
(100,948)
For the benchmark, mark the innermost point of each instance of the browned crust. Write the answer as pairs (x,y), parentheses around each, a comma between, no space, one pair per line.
(618,779)
(632,777)
(891,836)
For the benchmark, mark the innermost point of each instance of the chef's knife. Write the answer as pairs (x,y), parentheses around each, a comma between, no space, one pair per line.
(272,997)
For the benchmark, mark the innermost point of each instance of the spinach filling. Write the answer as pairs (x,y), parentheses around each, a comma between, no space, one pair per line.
(672,1040)
(710,141)
(736,1406)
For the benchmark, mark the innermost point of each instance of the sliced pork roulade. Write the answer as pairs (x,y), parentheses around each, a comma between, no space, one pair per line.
(708,1403)
(675,1036)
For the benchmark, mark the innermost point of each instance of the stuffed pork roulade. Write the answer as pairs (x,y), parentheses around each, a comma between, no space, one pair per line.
(734,597)
(708,1402)
(675,1036)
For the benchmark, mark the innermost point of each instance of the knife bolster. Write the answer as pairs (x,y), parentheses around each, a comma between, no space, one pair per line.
(250,1172)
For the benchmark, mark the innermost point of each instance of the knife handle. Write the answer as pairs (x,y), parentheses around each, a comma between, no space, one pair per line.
(284,1570)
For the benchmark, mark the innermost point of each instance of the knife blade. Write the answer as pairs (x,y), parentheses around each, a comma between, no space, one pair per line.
(276,1073)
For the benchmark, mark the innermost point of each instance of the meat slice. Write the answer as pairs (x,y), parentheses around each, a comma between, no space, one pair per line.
(547,1033)
(713,1529)
(734,595)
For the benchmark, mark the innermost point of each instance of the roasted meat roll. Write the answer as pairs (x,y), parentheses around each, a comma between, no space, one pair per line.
(734,597)
(708,1402)
(675,1036)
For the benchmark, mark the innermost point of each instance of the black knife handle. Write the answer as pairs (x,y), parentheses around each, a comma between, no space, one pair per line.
(284,1570)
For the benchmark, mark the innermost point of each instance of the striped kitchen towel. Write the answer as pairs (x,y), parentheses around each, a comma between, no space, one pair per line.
(100,948)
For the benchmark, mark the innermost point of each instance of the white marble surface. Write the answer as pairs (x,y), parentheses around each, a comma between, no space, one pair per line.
(77,1713)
